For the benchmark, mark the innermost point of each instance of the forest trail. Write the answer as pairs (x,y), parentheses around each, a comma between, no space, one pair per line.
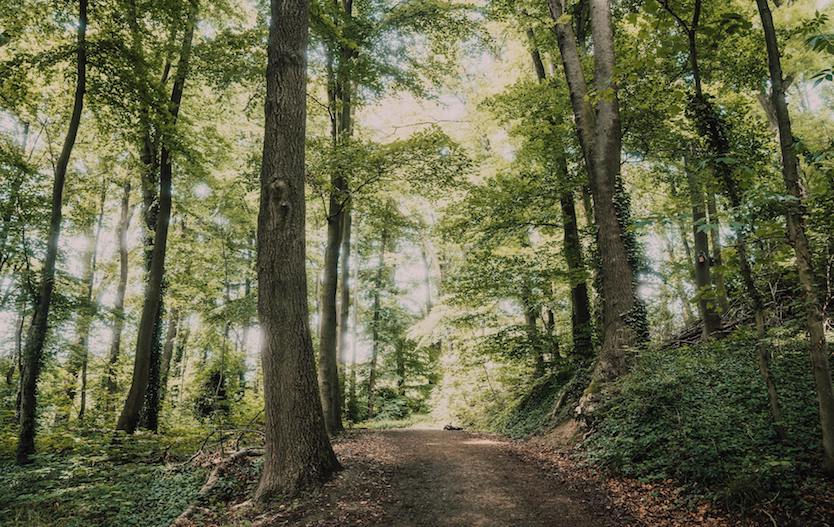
(435,478)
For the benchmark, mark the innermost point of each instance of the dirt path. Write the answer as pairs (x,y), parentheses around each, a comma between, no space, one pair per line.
(434,478)
(457,479)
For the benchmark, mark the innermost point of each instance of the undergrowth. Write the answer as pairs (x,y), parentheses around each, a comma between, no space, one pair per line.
(699,415)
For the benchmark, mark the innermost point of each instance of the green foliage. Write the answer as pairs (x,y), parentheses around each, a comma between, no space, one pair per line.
(699,415)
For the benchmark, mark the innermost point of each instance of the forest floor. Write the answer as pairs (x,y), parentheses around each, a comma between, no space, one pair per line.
(418,477)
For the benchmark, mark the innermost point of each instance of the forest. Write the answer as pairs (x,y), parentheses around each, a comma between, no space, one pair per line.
(416,263)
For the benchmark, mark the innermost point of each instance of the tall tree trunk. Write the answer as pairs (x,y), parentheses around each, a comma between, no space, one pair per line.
(298,451)
(703,282)
(581,323)
(688,317)
(328,374)
(84,330)
(129,418)
(717,261)
(344,304)
(119,305)
(531,314)
(598,130)
(796,233)
(32,354)
(399,360)
(377,315)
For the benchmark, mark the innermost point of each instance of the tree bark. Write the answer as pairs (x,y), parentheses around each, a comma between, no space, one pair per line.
(32,354)
(119,305)
(129,418)
(703,281)
(298,451)
(796,233)
(598,130)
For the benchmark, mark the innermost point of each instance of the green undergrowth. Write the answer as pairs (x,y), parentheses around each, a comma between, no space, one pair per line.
(88,489)
(699,415)
(534,411)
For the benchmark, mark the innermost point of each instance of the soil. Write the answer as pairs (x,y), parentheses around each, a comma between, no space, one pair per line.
(436,478)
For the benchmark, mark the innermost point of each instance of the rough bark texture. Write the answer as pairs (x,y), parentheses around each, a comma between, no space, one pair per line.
(119,305)
(298,451)
(599,135)
(328,373)
(796,234)
(703,280)
(33,352)
(129,418)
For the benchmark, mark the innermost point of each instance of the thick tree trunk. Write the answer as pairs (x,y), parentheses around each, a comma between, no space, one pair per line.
(129,418)
(703,281)
(298,452)
(119,305)
(32,354)
(796,233)
(598,130)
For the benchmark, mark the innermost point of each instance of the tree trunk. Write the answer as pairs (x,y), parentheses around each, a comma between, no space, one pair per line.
(717,262)
(703,282)
(796,233)
(32,354)
(581,323)
(377,315)
(298,451)
(119,306)
(168,352)
(89,311)
(598,130)
(400,365)
(344,305)
(129,418)
(328,374)
(688,317)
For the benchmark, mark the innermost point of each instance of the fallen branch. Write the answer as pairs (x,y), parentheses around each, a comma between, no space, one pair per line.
(213,479)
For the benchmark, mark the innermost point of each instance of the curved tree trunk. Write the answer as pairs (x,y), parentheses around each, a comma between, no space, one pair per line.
(796,232)
(298,452)
(33,352)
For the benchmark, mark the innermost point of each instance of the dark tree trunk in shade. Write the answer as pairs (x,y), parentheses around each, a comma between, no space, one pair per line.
(796,233)
(148,324)
(298,451)
(33,352)
(703,281)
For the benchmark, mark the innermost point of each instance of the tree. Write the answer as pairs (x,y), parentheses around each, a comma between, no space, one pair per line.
(32,353)
(598,130)
(298,451)
(144,360)
(797,235)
